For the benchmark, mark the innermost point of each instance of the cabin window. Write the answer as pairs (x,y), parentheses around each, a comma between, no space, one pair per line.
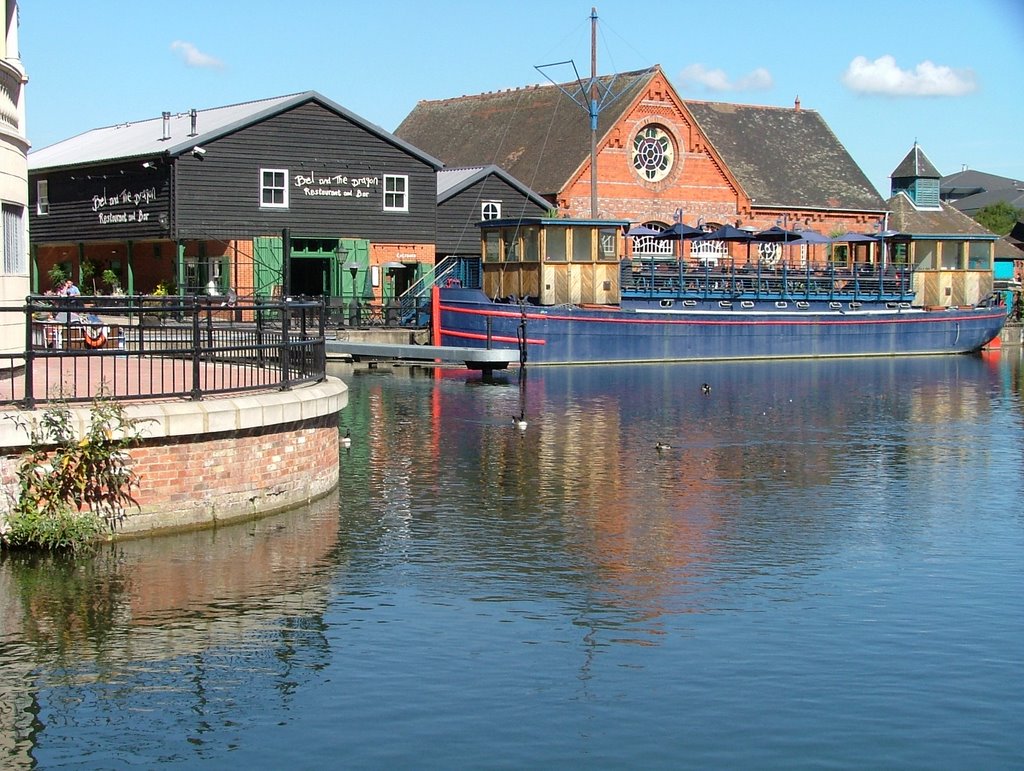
(492,246)
(608,240)
(42,196)
(274,188)
(978,255)
(490,210)
(396,192)
(582,244)
(555,244)
(510,241)
(531,244)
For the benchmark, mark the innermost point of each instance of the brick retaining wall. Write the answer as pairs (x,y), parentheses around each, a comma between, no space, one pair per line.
(210,462)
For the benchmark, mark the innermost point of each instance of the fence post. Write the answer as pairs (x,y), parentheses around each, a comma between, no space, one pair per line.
(285,347)
(30,399)
(197,393)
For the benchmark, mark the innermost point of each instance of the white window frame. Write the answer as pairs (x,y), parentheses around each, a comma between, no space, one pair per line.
(494,214)
(264,187)
(42,197)
(396,199)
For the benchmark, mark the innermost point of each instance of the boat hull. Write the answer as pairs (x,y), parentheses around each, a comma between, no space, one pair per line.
(588,335)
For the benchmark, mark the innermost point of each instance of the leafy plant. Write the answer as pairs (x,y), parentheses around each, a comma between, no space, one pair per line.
(111,279)
(57,275)
(68,488)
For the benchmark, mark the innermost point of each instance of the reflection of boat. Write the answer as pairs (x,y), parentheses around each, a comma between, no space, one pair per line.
(596,308)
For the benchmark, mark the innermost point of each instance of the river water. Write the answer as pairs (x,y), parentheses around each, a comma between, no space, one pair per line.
(824,570)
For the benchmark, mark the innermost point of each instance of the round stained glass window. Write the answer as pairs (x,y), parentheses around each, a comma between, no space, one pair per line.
(652,153)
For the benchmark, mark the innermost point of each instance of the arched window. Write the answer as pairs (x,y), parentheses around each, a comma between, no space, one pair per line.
(649,246)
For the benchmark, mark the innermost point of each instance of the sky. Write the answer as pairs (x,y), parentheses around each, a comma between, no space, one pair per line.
(882,73)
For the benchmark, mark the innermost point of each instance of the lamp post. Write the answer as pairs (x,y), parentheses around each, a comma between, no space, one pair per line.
(353,268)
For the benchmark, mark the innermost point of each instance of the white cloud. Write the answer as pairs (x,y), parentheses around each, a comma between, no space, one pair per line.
(716,80)
(883,76)
(193,57)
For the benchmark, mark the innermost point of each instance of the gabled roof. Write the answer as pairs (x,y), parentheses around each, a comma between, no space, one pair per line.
(781,157)
(144,138)
(970,181)
(971,204)
(535,133)
(930,223)
(785,156)
(451,182)
(917,165)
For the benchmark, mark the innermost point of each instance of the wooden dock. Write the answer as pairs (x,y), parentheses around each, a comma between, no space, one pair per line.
(485,359)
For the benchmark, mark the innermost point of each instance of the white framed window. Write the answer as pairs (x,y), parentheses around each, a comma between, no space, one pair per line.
(42,196)
(15,250)
(490,210)
(396,192)
(273,188)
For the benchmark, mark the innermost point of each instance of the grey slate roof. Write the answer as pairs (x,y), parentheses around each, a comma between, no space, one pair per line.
(453,181)
(915,164)
(924,223)
(781,157)
(785,157)
(143,138)
(535,133)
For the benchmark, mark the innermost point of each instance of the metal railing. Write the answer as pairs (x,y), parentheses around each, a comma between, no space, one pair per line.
(159,348)
(755,281)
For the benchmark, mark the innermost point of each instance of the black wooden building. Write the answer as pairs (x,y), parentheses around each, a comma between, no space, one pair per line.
(204,199)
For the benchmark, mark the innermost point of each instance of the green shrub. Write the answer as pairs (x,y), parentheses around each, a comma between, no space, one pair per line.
(71,489)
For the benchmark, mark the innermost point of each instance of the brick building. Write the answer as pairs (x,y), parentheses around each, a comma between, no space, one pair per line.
(659,158)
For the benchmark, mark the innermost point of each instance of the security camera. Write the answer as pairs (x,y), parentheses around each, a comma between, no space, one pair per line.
(198,152)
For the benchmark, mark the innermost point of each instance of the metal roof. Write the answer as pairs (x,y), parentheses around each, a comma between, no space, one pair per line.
(453,181)
(148,138)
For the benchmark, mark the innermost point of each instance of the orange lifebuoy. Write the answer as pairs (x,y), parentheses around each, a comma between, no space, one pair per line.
(95,337)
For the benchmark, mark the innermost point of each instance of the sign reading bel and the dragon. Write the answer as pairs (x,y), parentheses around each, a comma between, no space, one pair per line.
(335,185)
(128,204)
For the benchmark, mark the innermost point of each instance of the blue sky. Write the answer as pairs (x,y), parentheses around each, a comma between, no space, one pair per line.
(882,73)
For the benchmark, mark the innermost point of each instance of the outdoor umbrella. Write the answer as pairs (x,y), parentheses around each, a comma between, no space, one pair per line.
(812,237)
(729,233)
(777,235)
(642,230)
(680,232)
(855,238)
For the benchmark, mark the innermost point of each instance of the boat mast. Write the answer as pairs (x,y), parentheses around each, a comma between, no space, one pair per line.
(593,97)
(593,112)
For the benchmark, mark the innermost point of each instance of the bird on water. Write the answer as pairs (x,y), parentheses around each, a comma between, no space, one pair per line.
(519,422)
(705,389)
(661,446)
(346,441)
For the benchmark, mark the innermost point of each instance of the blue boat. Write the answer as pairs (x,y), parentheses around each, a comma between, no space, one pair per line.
(559,292)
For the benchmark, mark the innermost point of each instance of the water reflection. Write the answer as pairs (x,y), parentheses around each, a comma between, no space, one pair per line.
(158,622)
(809,547)
(581,505)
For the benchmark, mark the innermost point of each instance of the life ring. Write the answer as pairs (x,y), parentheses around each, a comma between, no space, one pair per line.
(94,337)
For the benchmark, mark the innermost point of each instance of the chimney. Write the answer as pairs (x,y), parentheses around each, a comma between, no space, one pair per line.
(796,104)
(167,126)
(192,115)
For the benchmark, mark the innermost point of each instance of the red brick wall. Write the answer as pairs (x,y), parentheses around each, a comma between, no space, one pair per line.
(194,481)
(699,182)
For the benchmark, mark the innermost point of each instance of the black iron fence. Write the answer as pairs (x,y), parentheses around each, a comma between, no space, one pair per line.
(160,348)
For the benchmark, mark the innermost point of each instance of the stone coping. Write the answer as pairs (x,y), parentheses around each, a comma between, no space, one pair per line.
(209,416)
